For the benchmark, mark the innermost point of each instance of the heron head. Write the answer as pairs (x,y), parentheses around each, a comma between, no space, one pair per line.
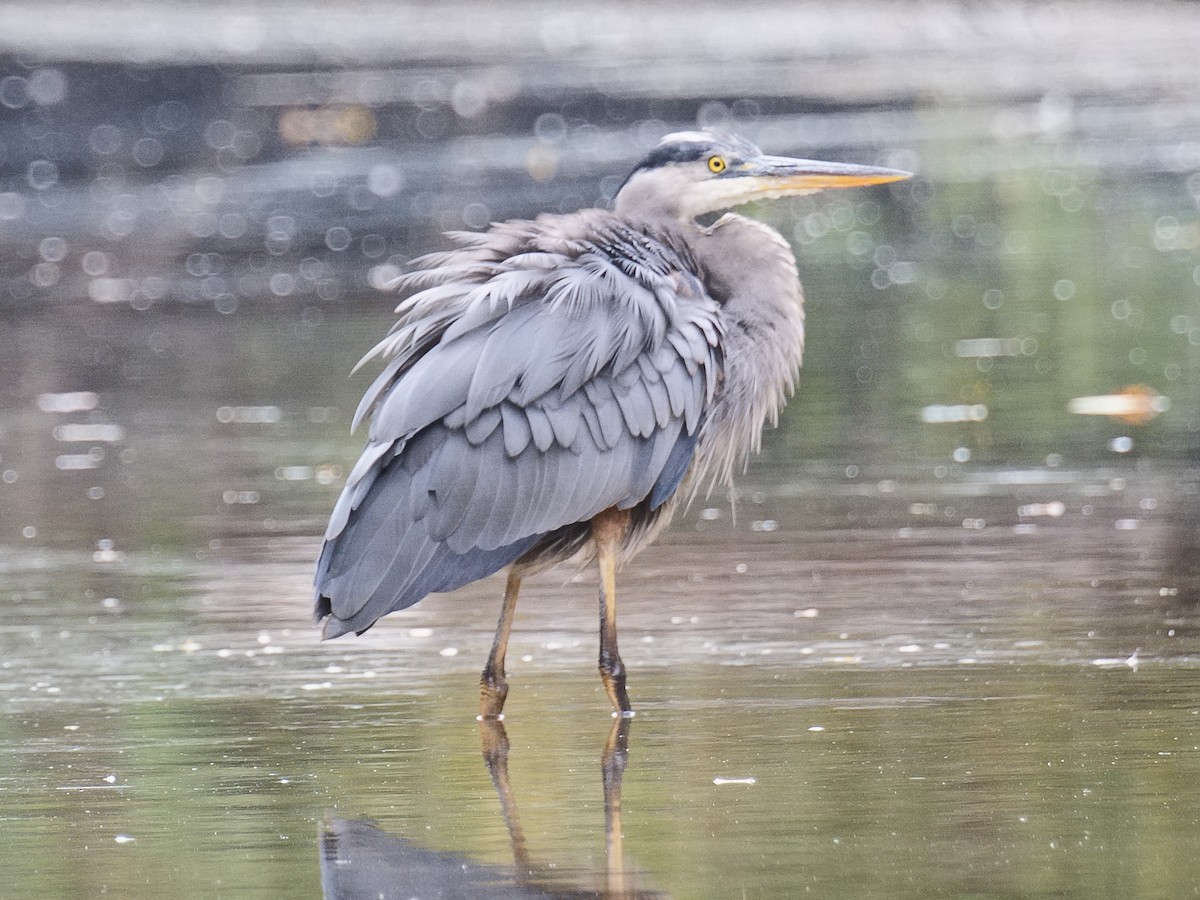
(691,173)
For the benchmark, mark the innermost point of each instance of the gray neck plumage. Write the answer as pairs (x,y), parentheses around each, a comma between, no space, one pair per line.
(751,271)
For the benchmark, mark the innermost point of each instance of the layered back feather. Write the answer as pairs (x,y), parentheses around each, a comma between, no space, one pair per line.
(542,372)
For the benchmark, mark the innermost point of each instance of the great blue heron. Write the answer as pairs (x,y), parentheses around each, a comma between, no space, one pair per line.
(557,387)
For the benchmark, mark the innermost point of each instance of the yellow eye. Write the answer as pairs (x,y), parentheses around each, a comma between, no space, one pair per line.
(717,164)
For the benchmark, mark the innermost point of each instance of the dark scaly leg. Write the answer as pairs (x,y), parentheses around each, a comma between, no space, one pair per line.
(608,531)
(493,687)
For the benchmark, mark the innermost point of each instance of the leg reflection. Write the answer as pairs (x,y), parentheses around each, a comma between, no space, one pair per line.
(612,767)
(494,743)
(618,885)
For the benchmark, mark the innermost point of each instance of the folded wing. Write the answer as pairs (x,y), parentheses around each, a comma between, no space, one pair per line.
(541,376)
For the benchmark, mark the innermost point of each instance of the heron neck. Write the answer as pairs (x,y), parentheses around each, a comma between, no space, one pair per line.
(750,270)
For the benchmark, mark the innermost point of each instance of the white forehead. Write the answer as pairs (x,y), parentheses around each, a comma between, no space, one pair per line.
(687,137)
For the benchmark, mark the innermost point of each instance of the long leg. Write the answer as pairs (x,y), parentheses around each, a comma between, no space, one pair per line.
(612,767)
(493,687)
(608,531)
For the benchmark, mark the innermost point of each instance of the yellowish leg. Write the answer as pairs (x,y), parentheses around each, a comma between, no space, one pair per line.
(612,766)
(608,531)
(493,687)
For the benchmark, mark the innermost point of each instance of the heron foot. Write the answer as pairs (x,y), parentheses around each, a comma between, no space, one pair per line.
(493,691)
(612,676)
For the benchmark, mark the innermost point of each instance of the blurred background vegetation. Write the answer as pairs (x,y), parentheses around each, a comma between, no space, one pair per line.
(198,203)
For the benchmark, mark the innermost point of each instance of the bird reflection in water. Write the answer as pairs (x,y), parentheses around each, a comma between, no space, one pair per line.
(361,861)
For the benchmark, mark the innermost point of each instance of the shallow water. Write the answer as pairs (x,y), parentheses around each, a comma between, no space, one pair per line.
(884,715)
(942,642)
(835,694)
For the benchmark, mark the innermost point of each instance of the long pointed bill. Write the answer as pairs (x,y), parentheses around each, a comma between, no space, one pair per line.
(770,177)
(779,176)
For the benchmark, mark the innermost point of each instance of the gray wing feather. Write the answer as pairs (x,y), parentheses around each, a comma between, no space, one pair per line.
(592,332)
(357,484)
(649,372)
(481,426)
(534,382)
(676,384)
(539,428)
(679,341)
(612,466)
(653,459)
(480,504)
(599,393)
(564,419)
(664,358)
(453,483)
(637,409)
(380,531)
(507,522)
(546,345)
(501,360)
(546,478)
(433,387)
(569,482)
(517,432)
(592,420)
(660,400)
